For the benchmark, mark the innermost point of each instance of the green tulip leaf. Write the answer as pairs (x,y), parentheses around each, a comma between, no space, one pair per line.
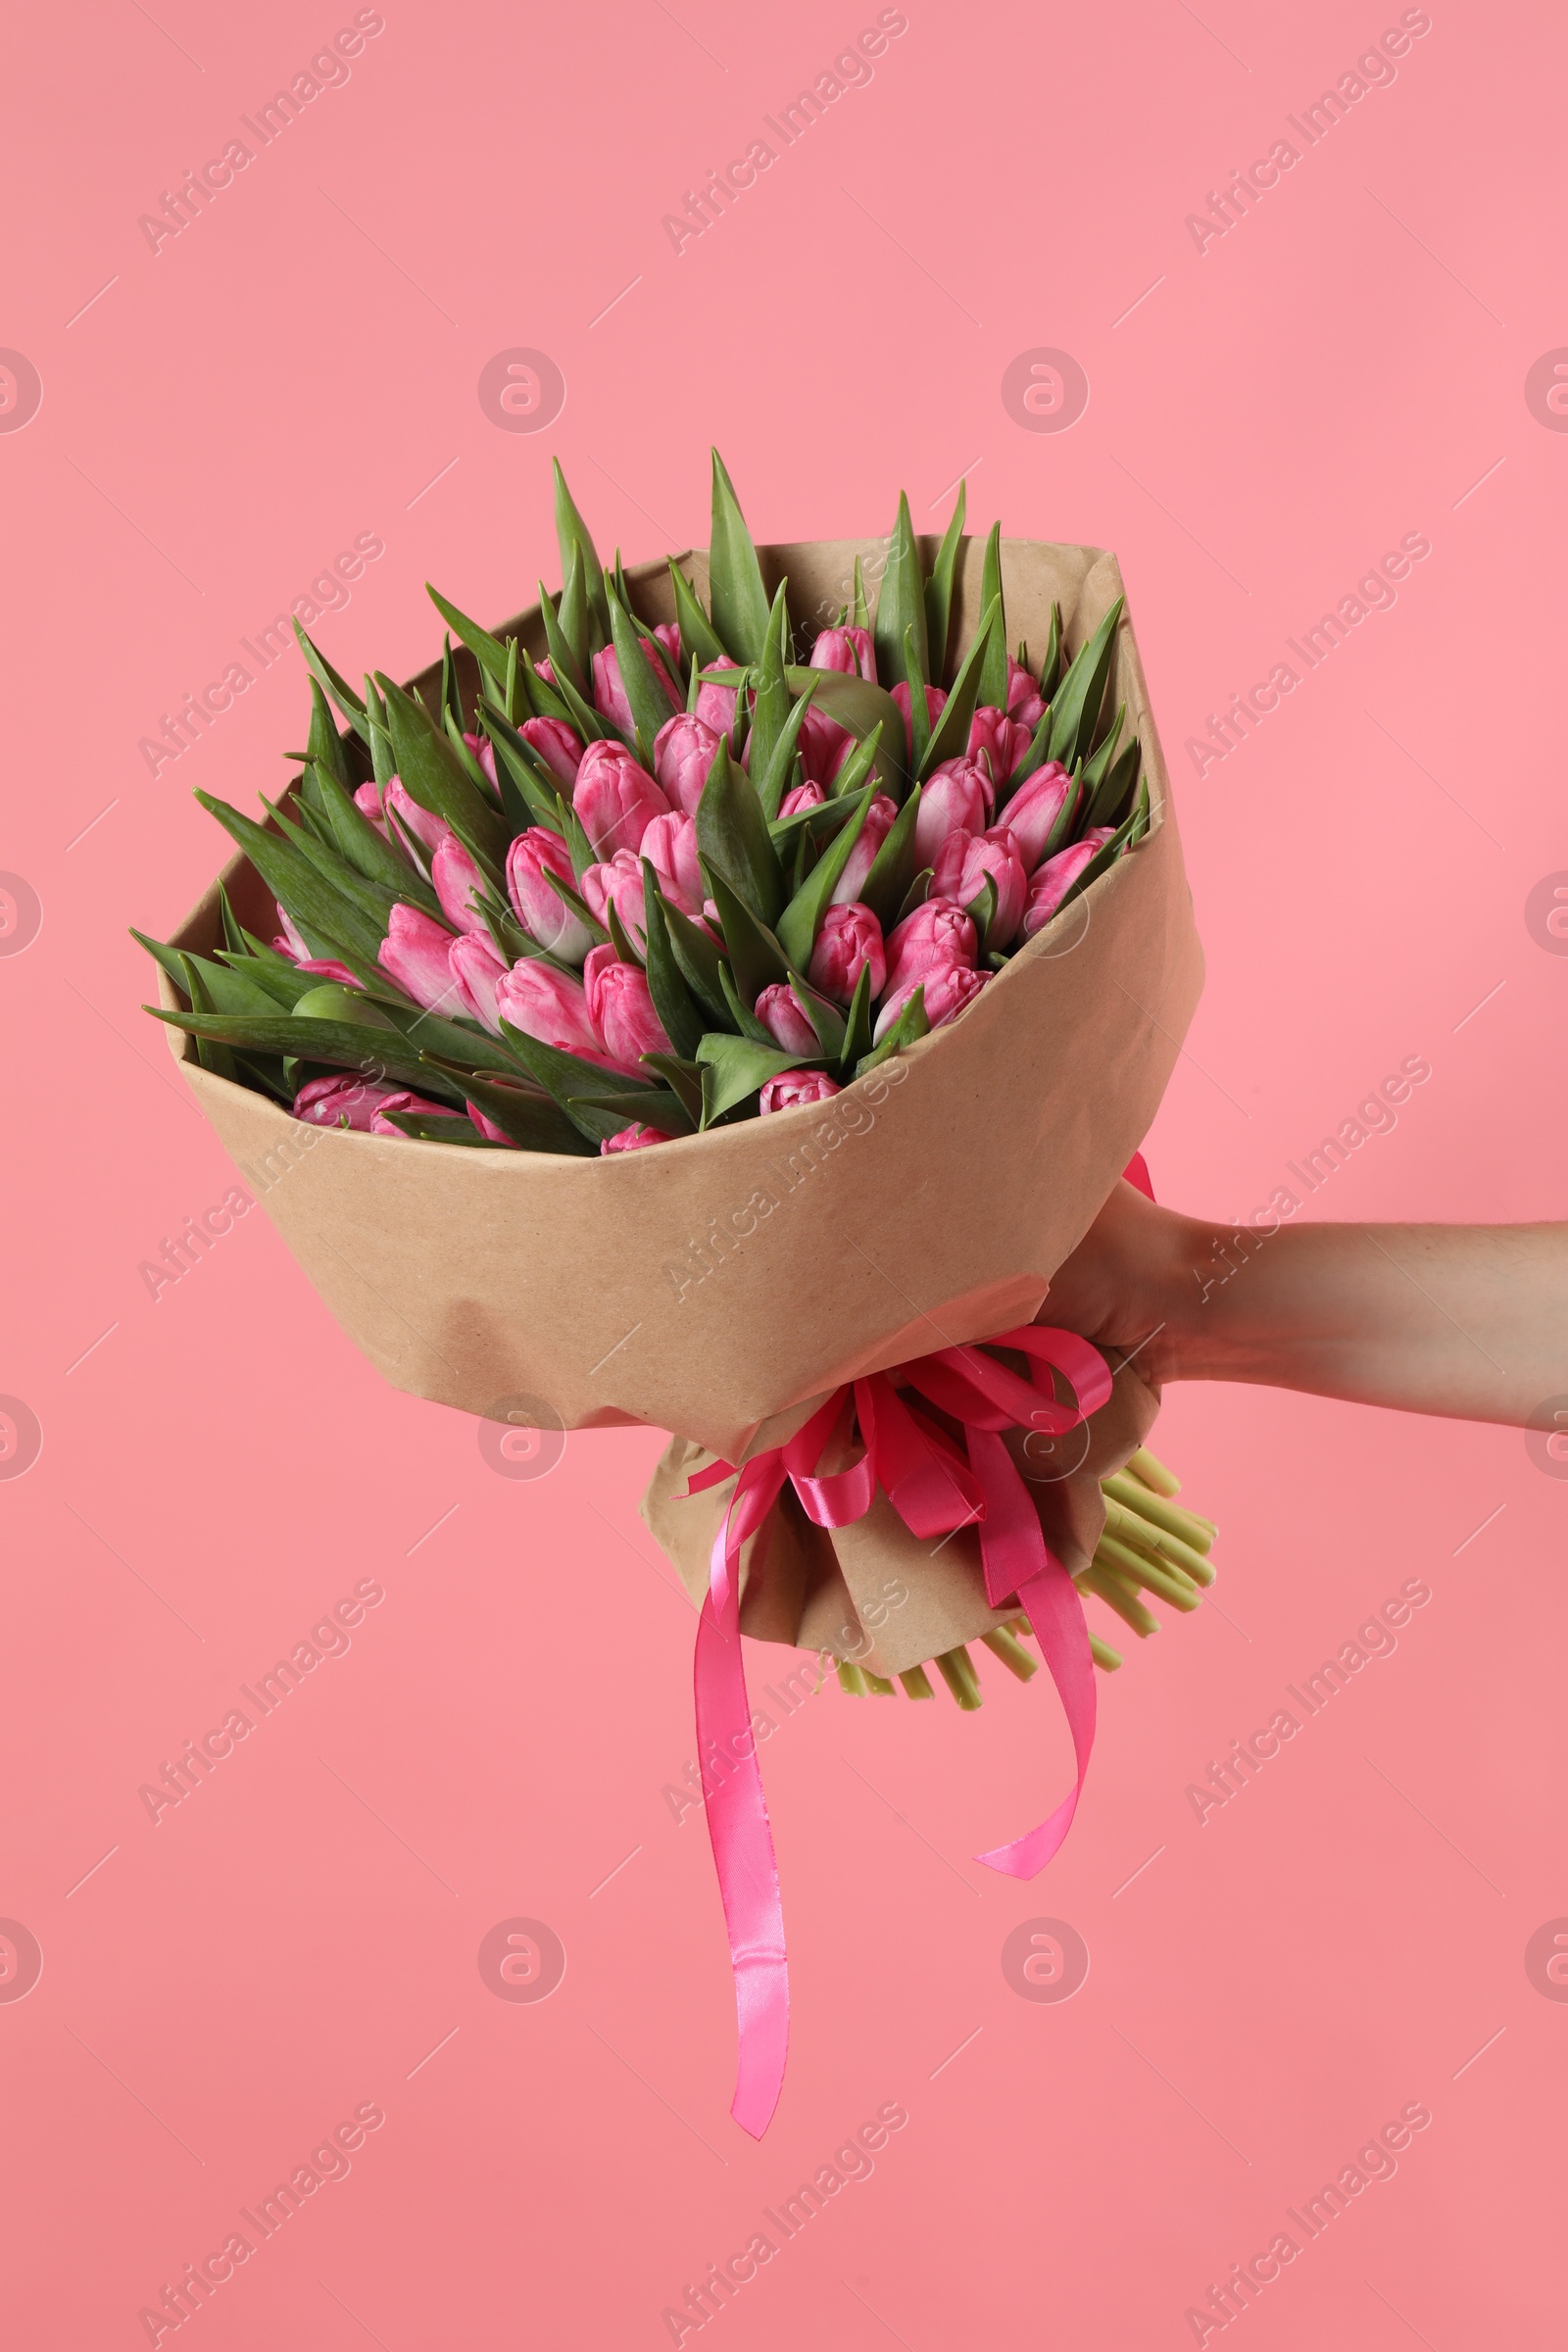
(738,599)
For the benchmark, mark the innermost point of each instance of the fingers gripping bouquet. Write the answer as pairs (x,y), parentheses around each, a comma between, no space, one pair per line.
(811,968)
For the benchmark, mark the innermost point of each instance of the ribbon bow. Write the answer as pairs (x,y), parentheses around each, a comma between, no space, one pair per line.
(936,1489)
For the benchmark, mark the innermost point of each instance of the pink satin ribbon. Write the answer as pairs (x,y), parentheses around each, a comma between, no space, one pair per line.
(936,1489)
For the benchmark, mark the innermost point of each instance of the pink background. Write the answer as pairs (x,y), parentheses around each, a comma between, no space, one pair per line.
(219,1991)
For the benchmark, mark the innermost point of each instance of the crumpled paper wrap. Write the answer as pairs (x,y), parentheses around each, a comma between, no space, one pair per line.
(723,1283)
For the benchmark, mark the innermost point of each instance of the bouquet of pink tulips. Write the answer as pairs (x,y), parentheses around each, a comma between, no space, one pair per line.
(662,878)
(878,928)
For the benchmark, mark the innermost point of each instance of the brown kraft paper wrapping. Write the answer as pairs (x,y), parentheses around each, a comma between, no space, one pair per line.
(721,1285)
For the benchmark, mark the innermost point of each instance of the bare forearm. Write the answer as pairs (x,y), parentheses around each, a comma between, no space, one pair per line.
(1468,1321)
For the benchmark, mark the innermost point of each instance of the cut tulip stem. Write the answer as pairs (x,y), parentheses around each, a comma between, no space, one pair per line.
(1012,1654)
(957,1669)
(851,1678)
(1116,1596)
(1124,1561)
(1154,1473)
(916,1683)
(878,1683)
(1185,1525)
(1106,1658)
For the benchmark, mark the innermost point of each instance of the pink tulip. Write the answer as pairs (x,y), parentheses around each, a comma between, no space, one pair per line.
(632,1139)
(486,754)
(957,798)
(849,941)
(552,1007)
(934,698)
(622,1009)
(288,943)
(823,746)
(341,1100)
(797,1086)
(415,953)
(488,1128)
(478,969)
(802,795)
(1025,700)
(404,1102)
(715,705)
(683,754)
(367,801)
(615,798)
(617,884)
(1033,809)
(610,695)
(1057,877)
(427,827)
(670,847)
(457,877)
(545,917)
(937,932)
(786,1024)
(999,738)
(558,746)
(947,987)
(959,872)
(878,825)
(847,650)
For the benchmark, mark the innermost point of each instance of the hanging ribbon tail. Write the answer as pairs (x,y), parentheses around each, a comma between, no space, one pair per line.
(738,1826)
(1053,1606)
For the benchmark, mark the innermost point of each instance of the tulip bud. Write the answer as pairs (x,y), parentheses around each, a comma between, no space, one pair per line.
(558,746)
(457,876)
(341,1100)
(1025,703)
(632,1139)
(427,827)
(797,1086)
(610,695)
(367,801)
(715,705)
(683,754)
(850,940)
(544,915)
(779,1011)
(1033,809)
(415,953)
(488,1128)
(622,1009)
(878,825)
(552,1007)
(934,698)
(615,798)
(404,1102)
(802,795)
(478,969)
(937,932)
(1057,877)
(955,797)
(486,754)
(847,650)
(823,746)
(669,845)
(1003,741)
(947,989)
(959,872)
(289,944)
(617,884)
